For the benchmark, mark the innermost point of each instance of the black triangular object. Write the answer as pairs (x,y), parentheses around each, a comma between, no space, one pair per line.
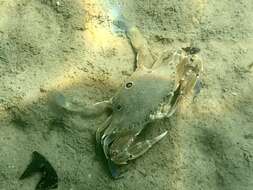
(49,179)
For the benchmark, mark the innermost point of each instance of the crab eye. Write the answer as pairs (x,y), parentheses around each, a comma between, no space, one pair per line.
(129,84)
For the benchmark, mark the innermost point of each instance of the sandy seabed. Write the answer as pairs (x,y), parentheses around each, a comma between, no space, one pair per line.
(70,46)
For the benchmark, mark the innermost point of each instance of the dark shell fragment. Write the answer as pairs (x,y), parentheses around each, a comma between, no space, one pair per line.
(49,178)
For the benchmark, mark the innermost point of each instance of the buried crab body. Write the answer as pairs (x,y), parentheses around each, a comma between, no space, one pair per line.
(152,92)
(131,110)
(149,94)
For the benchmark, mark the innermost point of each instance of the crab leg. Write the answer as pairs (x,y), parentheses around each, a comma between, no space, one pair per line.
(188,74)
(164,55)
(197,88)
(188,63)
(84,110)
(140,148)
(144,57)
(169,108)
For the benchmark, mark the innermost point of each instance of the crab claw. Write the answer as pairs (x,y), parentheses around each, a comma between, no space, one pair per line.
(114,170)
(106,142)
(102,128)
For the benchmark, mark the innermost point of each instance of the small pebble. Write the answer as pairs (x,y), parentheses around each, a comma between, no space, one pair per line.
(42,90)
(224,89)
(250,66)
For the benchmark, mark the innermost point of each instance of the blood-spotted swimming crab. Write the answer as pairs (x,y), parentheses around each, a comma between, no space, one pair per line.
(152,92)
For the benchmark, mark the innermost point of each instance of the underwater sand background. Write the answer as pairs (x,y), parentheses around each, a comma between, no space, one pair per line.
(70,46)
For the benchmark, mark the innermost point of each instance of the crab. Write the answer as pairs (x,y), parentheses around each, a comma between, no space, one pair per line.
(152,92)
